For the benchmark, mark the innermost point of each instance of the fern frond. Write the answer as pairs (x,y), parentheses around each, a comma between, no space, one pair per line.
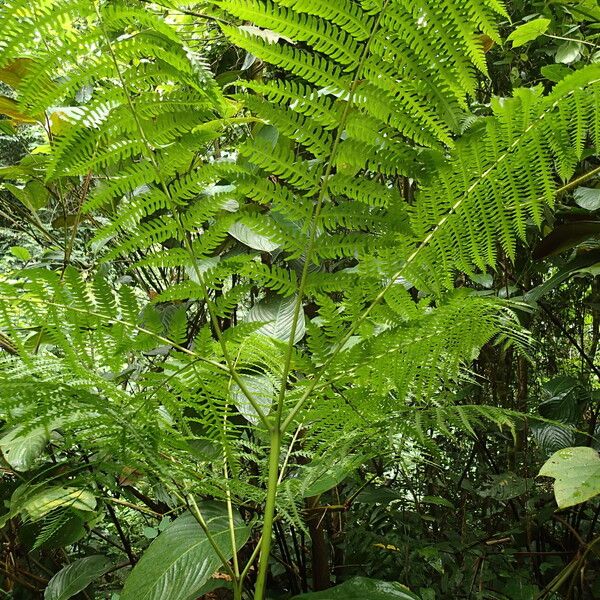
(503,174)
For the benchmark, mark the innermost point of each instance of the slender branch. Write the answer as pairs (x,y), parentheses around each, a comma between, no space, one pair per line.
(578,181)
(124,539)
(571,339)
(108,540)
(231,524)
(143,509)
(568,39)
(71,242)
(13,577)
(250,562)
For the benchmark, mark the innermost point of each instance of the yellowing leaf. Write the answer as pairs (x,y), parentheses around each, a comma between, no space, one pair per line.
(486,41)
(54,497)
(14,72)
(59,120)
(11,108)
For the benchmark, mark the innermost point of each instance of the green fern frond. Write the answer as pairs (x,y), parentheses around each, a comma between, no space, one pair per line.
(503,174)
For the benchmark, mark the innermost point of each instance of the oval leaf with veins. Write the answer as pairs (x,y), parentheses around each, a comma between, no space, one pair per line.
(278,315)
(261,389)
(576,473)
(247,236)
(75,577)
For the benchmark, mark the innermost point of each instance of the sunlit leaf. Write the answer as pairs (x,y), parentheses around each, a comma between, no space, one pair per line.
(528,32)
(278,316)
(262,391)
(54,497)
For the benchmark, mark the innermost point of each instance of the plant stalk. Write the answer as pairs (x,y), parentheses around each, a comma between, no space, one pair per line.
(267,530)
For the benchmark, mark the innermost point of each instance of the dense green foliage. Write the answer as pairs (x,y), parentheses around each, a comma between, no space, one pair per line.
(290,285)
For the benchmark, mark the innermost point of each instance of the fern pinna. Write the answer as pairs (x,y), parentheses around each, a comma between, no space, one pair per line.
(297,232)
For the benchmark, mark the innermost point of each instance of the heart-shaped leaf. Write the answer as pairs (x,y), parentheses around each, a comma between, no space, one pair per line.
(21,448)
(568,53)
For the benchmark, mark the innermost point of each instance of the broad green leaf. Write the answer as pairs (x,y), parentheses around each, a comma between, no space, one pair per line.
(278,314)
(528,31)
(555,72)
(20,252)
(438,501)
(551,438)
(566,236)
(363,588)
(181,560)
(563,400)
(262,390)
(378,495)
(75,577)
(33,195)
(250,238)
(588,198)
(21,449)
(54,497)
(568,53)
(587,10)
(579,263)
(485,280)
(576,472)
(13,171)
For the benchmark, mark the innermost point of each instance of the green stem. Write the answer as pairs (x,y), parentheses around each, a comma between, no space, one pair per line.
(200,519)
(277,430)
(314,224)
(250,561)
(267,530)
(237,590)
(231,523)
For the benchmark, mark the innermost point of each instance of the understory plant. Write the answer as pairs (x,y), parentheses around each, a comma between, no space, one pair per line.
(255,290)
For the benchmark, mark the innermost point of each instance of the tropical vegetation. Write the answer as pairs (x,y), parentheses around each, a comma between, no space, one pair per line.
(299,298)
